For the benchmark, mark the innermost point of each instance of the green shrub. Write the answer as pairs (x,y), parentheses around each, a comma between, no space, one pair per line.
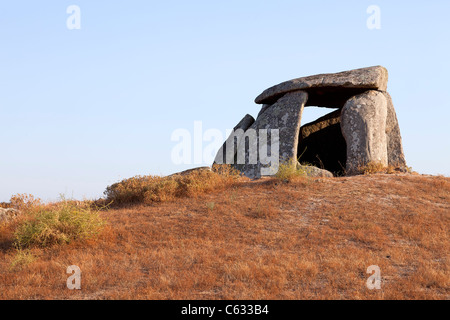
(21,259)
(288,170)
(60,223)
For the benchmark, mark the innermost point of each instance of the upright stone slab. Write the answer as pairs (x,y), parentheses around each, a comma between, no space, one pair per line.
(222,156)
(285,116)
(396,157)
(363,124)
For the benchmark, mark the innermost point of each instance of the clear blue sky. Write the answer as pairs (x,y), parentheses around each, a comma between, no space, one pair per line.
(81,109)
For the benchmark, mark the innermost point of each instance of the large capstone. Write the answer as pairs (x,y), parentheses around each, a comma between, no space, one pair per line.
(332,89)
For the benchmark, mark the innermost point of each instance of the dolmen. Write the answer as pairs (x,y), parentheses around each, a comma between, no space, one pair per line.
(362,129)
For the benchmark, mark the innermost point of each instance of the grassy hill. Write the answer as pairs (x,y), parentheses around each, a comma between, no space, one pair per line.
(240,239)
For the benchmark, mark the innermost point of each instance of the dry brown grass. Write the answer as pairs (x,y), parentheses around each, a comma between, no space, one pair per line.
(306,239)
(151,189)
(377,167)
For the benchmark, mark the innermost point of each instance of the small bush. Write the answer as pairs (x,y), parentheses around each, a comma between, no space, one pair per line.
(25,202)
(372,168)
(150,189)
(288,170)
(5,205)
(60,223)
(21,259)
(377,167)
